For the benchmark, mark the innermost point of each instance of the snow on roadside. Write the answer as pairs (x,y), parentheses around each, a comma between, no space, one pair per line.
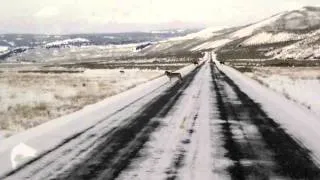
(300,84)
(296,120)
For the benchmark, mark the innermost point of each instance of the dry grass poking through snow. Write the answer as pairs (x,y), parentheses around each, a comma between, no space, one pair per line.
(299,84)
(29,99)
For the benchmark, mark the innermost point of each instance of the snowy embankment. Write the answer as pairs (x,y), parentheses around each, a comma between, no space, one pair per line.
(46,136)
(299,84)
(296,120)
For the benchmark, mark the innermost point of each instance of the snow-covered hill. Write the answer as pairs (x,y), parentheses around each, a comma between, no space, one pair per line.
(288,26)
(268,38)
(280,30)
(251,29)
(304,25)
(287,35)
(209,38)
(48,47)
(308,48)
(34,40)
(296,21)
(305,19)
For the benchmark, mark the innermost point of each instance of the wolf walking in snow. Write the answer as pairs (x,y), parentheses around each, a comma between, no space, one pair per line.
(171,75)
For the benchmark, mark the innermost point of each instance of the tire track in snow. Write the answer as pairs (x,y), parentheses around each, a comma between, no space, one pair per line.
(182,148)
(229,143)
(258,146)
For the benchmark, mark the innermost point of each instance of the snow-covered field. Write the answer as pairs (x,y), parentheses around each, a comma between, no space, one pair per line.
(299,84)
(29,99)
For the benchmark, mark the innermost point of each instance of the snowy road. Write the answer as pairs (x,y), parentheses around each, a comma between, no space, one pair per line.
(203,128)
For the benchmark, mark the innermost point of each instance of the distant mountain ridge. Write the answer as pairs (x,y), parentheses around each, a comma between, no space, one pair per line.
(32,40)
(286,33)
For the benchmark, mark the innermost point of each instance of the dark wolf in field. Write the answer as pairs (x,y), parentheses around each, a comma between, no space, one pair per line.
(173,75)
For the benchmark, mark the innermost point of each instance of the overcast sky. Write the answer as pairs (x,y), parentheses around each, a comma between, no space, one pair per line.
(78,16)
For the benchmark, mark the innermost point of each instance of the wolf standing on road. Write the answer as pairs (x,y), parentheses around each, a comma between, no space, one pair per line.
(173,75)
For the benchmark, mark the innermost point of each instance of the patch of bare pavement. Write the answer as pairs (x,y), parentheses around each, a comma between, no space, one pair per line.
(252,143)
